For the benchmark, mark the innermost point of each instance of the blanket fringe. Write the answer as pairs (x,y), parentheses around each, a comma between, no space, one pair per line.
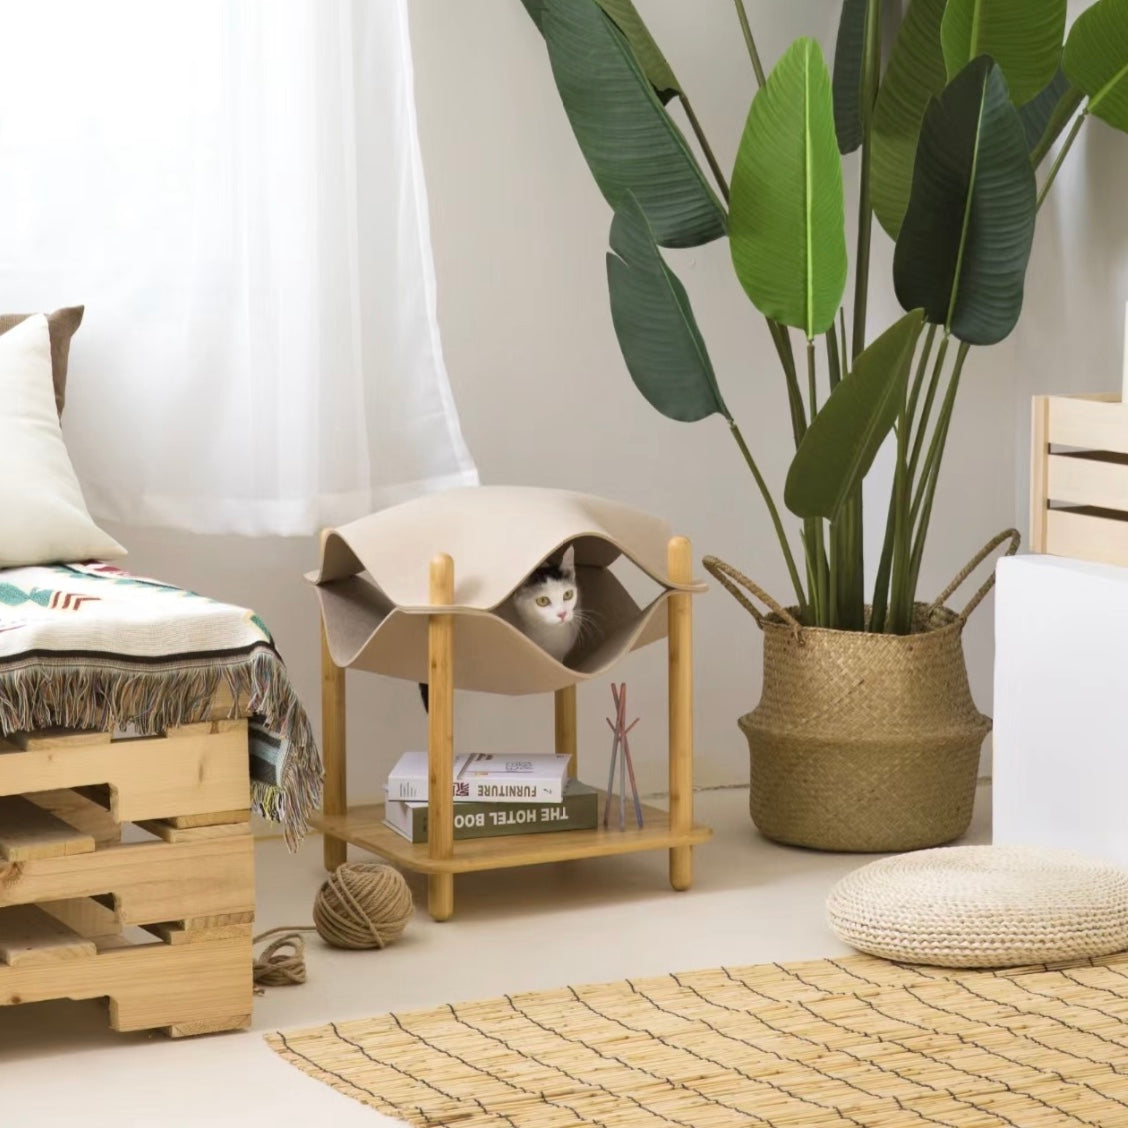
(102,694)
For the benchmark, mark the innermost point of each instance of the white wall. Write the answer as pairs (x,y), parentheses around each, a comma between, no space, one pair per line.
(520,233)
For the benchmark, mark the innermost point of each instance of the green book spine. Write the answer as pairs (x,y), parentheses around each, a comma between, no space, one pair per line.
(578,811)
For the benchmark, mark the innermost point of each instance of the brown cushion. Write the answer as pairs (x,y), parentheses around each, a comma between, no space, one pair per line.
(61,326)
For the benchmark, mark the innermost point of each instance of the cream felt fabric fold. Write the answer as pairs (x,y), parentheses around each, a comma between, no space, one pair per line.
(43,517)
(374,575)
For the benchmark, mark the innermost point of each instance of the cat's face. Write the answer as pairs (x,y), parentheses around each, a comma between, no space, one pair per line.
(550,597)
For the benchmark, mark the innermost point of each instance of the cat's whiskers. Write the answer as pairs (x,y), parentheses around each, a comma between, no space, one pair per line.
(585,623)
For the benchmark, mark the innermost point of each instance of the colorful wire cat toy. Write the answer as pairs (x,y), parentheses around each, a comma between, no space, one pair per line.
(621,752)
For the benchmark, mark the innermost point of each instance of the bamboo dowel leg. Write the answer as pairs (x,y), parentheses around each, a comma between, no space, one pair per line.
(335,800)
(566,726)
(680,640)
(440,738)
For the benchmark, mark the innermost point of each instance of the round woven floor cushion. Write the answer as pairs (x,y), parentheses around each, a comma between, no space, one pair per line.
(983,906)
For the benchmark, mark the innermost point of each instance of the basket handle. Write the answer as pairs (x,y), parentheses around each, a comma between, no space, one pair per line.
(729,577)
(1007,534)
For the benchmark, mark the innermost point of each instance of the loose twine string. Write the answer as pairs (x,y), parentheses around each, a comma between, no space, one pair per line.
(360,905)
(282,963)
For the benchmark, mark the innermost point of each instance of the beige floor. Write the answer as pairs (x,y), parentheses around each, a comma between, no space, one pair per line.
(513,930)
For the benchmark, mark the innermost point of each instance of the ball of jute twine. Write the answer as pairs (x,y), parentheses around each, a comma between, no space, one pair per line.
(363,905)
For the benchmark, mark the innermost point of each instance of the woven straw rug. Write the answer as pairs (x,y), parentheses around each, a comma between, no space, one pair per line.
(855,1041)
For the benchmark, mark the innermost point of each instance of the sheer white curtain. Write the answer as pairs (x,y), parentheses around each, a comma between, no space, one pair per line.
(234,190)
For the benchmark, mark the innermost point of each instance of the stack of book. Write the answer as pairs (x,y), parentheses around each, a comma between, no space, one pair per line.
(493,795)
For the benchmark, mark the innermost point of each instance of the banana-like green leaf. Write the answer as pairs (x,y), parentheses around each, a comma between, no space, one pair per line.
(1045,115)
(842,442)
(787,228)
(535,8)
(1022,36)
(1096,59)
(646,50)
(849,55)
(629,141)
(657,332)
(915,74)
(965,241)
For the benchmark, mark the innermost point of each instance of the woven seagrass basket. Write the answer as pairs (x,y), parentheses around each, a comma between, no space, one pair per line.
(864,742)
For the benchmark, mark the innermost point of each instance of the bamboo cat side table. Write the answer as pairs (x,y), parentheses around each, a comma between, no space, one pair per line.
(423,643)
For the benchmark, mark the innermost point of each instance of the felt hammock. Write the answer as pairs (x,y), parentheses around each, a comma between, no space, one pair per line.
(89,646)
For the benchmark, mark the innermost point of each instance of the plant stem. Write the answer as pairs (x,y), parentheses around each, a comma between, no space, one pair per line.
(922,365)
(1063,111)
(782,341)
(833,361)
(926,410)
(922,505)
(816,542)
(847,591)
(884,567)
(749,42)
(834,614)
(699,133)
(848,573)
(811,393)
(1071,136)
(939,433)
(881,591)
(900,617)
(773,512)
(817,568)
(871,73)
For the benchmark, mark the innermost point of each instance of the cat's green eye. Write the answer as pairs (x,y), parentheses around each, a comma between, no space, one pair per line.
(569,594)
(543,601)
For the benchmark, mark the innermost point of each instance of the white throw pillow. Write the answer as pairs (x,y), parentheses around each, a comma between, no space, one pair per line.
(43,518)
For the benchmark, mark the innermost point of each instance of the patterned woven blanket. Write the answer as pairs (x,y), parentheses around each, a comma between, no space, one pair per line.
(91,646)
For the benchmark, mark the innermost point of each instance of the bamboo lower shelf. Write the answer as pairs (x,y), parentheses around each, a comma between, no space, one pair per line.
(364,827)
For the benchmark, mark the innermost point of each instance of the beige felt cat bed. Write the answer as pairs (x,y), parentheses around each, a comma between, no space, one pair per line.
(373,584)
(420,592)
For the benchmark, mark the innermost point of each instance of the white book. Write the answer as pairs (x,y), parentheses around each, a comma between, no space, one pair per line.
(486,777)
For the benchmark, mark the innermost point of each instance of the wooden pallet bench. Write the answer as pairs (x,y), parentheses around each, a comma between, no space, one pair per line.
(158,923)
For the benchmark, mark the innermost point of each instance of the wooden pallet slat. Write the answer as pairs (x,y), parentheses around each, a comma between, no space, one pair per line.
(82,812)
(1079,479)
(150,881)
(167,831)
(212,727)
(162,928)
(203,930)
(208,818)
(91,917)
(28,935)
(1088,422)
(57,739)
(184,989)
(1087,534)
(28,831)
(149,778)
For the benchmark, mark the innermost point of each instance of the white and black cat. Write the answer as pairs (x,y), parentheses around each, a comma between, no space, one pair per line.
(546,607)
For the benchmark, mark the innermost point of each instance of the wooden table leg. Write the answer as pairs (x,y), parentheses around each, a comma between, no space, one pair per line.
(680,640)
(566,726)
(335,800)
(440,738)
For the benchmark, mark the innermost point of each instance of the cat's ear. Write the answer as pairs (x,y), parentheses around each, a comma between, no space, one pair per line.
(568,561)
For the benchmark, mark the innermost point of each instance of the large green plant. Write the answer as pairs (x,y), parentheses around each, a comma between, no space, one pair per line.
(973,98)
